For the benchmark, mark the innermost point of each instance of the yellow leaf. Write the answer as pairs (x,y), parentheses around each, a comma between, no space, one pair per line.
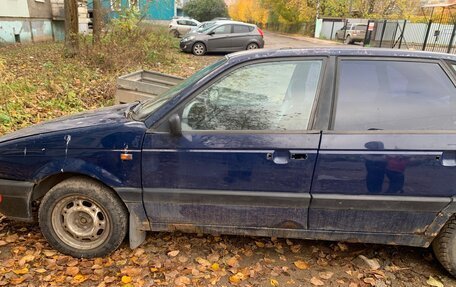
(25,259)
(153,269)
(126,279)
(79,278)
(41,270)
(274,282)
(21,271)
(259,244)
(434,282)
(173,253)
(215,266)
(301,265)
(203,261)
(236,278)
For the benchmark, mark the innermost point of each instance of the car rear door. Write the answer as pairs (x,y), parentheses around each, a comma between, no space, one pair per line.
(240,37)
(387,162)
(245,157)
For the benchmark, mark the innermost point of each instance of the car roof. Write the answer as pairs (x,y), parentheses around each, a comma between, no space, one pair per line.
(220,22)
(337,51)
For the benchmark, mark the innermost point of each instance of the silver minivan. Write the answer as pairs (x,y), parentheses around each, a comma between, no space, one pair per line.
(224,36)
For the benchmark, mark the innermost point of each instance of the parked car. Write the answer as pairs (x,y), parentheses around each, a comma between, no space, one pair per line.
(352,32)
(338,144)
(202,26)
(182,26)
(224,36)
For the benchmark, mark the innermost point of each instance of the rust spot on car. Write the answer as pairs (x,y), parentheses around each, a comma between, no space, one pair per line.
(290,224)
(185,227)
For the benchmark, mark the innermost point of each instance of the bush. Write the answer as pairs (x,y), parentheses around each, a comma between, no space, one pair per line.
(205,10)
(126,43)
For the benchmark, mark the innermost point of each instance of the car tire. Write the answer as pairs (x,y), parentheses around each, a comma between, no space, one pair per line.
(348,40)
(199,49)
(175,33)
(83,218)
(444,246)
(252,46)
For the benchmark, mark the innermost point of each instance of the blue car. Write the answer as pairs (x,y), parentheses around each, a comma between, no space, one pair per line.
(355,145)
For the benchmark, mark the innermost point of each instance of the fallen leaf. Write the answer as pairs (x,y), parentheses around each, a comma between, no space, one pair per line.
(274,282)
(434,282)
(25,259)
(24,270)
(259,244)
(301,265)
(49,253)
(370,281)
(3,242)
(182,280)
(78,279)
(203,262)
(41,270)
(72,271)
(237,278)
(342,246)
(317,282)
(18,280)
(173,253)
(372,263)
(125,279)
(215,266)
(326,275)
(233,262)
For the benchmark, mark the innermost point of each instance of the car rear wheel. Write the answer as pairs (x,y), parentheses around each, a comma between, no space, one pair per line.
(444,246)
(199,49)
(252,46)
(83,218)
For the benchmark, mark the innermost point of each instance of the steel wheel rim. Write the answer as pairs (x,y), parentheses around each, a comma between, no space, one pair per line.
(252,47)
(80,222)
(198,49)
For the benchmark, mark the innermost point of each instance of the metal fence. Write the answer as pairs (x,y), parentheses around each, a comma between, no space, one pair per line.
(436,36)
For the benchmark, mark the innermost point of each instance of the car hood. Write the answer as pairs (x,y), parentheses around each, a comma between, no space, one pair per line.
(104,116)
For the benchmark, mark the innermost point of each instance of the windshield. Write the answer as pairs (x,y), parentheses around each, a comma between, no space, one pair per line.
(144,109)
(205,26)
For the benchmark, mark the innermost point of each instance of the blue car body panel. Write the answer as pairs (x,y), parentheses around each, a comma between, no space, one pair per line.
(368,186)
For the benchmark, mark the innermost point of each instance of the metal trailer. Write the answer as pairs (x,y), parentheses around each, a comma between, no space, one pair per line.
(143,85)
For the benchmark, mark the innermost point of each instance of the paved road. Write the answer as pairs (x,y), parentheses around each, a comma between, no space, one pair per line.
(276,41)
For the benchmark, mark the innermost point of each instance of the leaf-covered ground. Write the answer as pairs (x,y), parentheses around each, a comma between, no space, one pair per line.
(37,83)
(204,260)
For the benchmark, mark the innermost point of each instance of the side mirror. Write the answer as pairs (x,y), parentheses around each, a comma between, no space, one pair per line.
(211,33)
(175,125)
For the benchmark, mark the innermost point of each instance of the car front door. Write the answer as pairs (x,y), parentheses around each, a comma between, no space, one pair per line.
(220,39)
(245,157)
(387,163)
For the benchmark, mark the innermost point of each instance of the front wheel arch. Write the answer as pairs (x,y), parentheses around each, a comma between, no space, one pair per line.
(61,225)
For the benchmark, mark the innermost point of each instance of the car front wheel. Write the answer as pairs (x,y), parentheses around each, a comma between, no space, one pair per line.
(83,218)
(199,49)
(348,40)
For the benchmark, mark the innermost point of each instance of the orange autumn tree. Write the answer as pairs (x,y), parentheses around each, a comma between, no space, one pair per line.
(250,11)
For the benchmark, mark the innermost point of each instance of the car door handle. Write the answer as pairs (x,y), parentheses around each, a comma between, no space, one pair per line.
(284,156)
(448,158)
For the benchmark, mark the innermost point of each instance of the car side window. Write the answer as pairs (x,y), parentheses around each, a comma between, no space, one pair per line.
(224,29)
(181,22)
(263,96)
(191,23)
(394,95)
(241,29)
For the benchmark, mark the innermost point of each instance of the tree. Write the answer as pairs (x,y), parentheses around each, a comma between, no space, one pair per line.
(205,10)
(97,20)
(71,27)
(249,11)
